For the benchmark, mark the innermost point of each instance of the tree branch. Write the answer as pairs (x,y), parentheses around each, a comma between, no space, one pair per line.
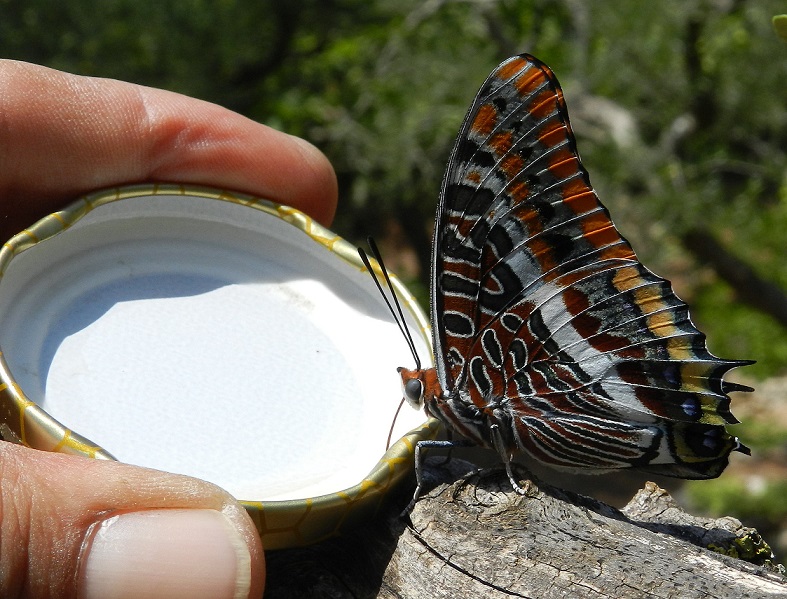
(477,538)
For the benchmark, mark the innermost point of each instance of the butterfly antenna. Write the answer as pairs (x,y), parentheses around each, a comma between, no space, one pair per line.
(400,322)
(393,423)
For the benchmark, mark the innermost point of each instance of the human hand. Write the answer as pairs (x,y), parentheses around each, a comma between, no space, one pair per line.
(75,527)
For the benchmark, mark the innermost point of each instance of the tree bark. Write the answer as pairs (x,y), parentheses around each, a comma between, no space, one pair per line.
(471,536)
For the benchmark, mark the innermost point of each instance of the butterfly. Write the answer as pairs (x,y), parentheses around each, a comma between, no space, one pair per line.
(550,337)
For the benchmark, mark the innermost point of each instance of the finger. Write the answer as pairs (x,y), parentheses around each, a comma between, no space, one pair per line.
(62,135)
(75,527)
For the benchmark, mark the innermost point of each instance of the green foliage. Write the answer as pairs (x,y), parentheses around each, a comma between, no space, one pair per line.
(692,133)
(763,508)
(763,436)
(780,26)
(715,302)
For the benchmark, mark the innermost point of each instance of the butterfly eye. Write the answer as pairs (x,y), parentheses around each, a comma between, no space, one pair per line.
(413,391)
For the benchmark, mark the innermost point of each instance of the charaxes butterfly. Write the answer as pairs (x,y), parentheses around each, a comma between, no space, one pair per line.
(550,337)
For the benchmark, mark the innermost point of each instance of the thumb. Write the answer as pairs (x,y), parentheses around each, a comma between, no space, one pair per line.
(82,528)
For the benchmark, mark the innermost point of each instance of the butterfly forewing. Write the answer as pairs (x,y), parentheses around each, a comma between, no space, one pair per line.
(516,210)
(545,323)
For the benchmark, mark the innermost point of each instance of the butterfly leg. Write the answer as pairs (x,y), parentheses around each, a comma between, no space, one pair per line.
(448,456)
(499,446)
(419,471)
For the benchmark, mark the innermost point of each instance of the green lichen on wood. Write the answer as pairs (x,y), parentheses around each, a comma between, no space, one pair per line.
(749,547)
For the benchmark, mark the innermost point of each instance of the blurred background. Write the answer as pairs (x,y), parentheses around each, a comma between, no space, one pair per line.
(678,106)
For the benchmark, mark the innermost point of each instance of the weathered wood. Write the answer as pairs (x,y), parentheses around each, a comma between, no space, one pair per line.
(476,538)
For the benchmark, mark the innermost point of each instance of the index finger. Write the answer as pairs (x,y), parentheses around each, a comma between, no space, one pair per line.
(63,135)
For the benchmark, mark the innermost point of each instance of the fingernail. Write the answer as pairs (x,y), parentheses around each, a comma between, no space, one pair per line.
(165,554)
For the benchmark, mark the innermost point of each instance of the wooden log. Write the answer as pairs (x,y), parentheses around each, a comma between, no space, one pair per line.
(471,536)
